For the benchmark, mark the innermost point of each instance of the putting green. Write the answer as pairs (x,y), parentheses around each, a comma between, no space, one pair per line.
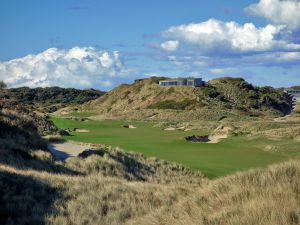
(228,156)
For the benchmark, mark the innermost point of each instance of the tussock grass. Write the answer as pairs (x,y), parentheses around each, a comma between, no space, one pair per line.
(269,196)
(112,162)
(263,196)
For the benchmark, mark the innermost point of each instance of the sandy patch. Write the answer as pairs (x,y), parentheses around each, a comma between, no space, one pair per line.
(170,128)
(176,128)
(216,138)
(81,130)
(63,150)
(64,113)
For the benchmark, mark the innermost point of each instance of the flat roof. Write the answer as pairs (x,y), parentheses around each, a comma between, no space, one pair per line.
(182,78)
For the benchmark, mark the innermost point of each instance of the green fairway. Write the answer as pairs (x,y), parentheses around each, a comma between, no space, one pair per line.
(230,155)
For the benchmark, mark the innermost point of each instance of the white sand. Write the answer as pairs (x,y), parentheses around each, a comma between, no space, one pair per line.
(81,130)
(63,150)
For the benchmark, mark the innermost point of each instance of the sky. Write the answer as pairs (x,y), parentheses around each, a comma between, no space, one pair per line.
(101,44)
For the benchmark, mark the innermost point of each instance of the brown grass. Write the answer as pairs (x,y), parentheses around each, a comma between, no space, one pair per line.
(268,196)
(265,196)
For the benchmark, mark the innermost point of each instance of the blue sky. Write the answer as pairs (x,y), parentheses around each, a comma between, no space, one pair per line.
(101,43)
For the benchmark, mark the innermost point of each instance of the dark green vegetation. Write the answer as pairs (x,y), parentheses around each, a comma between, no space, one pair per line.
(228,156)
(50,97)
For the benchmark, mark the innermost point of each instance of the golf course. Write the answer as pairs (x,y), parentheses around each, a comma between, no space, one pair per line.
(214,160)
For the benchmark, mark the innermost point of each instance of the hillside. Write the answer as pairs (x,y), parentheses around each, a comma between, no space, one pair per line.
(110,186)
(50,98)
(97,196)
(223,97)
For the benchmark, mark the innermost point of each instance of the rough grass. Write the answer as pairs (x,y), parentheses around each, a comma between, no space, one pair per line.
(108,188)
(268,196)
(112,162)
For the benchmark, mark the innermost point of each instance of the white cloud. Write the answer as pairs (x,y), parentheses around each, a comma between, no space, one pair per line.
(215,35)
(170,45)
(215,44)
(289,56)
(222,71)
(285,12)
(80,67)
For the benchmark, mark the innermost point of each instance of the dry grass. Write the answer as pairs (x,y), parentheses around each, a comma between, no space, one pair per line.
(269,196)
(33,197)
(111,162)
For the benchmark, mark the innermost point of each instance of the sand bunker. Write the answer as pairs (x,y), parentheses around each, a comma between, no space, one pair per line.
(216,138)
(129,126)
(81,130)
(206,138)
(63,150)
(221,132)
(170,128)
(176,128)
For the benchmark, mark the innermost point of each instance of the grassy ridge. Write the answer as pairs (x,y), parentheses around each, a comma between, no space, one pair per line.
(268,196)
(222,97)
(228,156)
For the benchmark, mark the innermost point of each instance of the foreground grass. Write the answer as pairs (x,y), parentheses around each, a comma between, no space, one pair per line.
(264,196)
(214,160)
(268,196)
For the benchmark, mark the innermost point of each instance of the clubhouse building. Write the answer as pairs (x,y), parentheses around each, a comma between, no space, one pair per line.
(189,81)
(294,93)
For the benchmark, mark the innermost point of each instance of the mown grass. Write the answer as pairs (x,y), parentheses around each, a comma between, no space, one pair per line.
(214,160)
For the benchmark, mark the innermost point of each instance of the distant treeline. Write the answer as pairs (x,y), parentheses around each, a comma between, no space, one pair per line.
(50,95)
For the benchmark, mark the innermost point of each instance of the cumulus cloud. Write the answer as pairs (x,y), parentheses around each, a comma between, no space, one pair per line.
(80,67)
(217,44)
(215,35)
(285,12)
(170,45)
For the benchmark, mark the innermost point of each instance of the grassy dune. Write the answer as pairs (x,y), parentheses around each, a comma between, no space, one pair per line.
(228,156)
(265,196)
(269,196)
(112,187)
